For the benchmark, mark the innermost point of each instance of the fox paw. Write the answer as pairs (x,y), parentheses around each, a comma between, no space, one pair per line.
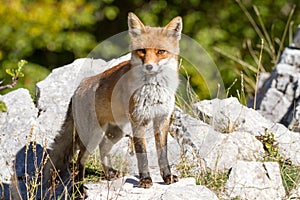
(170,179)
(145,182)
(112,174)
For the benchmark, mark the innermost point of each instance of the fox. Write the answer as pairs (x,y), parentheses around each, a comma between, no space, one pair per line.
(140,92)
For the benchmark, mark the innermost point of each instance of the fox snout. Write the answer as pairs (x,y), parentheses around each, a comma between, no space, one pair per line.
(150,68)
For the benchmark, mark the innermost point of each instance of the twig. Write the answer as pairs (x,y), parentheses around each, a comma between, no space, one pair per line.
(14,81)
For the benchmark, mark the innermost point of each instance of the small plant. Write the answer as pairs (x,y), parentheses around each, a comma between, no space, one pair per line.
(15,73)
(213,180)
(270,146)
(289,173)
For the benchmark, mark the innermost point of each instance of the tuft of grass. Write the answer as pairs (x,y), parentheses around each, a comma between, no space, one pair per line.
(290,173)
(213,180)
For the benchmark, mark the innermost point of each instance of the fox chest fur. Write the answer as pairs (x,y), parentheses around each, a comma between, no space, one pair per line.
(155,96)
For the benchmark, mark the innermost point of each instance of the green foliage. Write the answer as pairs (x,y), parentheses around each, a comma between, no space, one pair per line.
(18,71)
(270,146)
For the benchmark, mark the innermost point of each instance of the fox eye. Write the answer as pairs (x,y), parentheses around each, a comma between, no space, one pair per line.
(141,51)
(161,51)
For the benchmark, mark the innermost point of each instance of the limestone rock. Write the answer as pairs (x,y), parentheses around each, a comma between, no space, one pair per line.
(255,180)
(15,128)
(278,97)
(208,149)
(189,192)
(229,114)
(125,188)
(55,92)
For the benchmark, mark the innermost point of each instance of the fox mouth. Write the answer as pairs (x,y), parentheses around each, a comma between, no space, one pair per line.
(151,72)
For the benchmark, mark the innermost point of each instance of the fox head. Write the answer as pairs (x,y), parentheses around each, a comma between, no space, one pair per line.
(154,47)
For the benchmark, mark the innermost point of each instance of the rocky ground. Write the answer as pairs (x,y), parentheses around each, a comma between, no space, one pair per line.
(219,136)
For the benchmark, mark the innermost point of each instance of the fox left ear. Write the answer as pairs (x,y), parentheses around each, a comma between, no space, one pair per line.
(174,27)
(135,26)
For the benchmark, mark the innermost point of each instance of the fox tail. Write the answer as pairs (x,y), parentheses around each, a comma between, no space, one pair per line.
(63,148)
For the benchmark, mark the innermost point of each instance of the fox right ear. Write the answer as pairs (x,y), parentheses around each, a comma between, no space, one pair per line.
(135,26)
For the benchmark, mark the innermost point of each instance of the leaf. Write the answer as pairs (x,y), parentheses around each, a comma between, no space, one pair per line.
(17,72)
(3,107)
(11,72)
(21,64)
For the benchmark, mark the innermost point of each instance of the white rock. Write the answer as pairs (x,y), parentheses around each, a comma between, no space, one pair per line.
(125,188)
(15,128)
(255,180)
(208,149)
(229,114)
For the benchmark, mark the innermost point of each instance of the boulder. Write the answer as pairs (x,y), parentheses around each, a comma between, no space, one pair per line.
(255,180)
(125,188)
(278,97)
(16,125)
(209,150)
(228,115)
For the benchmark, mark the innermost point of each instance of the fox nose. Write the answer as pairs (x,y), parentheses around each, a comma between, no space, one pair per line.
(149,67)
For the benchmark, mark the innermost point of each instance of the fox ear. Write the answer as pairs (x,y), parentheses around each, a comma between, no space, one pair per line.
(174,27)
(135,26)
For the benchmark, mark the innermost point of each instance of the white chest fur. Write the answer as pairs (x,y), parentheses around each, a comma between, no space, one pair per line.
(155,95)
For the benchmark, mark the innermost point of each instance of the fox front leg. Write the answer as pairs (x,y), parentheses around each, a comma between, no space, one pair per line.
(161,136)
(141,155)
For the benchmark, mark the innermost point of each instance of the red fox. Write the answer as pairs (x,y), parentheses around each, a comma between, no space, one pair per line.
(140,91)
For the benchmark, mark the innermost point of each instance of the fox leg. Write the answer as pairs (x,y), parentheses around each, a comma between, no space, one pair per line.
(112,135)
(161,135)
(141,155)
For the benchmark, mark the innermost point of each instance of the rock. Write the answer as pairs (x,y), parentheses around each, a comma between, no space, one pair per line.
(229,115)
(255,180)
(27,165)
(15,128)
(179,192)
(210,150)
(125,188)
(279,95)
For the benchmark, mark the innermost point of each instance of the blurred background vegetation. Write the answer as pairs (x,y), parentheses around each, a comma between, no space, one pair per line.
(51,33)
